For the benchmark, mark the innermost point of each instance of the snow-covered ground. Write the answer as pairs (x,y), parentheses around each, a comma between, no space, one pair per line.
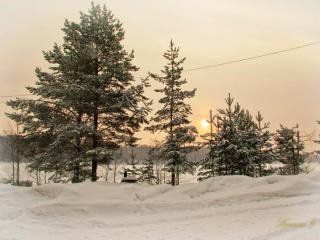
(232,207)
(25,175)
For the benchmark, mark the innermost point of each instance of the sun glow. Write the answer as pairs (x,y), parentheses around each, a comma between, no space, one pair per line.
(204,124)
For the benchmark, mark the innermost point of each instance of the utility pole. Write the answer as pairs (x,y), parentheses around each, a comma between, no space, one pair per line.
(211,126)
(211,122)
(259,118)
(298,153)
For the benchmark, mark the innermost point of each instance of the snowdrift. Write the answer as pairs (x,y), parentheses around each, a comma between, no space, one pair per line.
(230,207)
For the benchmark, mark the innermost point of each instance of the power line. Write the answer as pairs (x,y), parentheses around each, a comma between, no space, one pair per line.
(216,65)
(250,58)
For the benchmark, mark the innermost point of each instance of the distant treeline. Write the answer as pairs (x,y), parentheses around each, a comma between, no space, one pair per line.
(141,152)
(5,149)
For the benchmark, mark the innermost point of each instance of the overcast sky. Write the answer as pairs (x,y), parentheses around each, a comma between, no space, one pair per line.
(284,87)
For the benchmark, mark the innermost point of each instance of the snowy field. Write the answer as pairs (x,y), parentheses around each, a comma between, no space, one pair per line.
(25,175)
(232,207)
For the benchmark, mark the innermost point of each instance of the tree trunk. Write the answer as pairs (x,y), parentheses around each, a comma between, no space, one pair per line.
(173,173)
(107,172)
(13,165)
(95,125)
(178,175)
(94,146)
(173,176)
(18,166)
(115,170)
(45,175)
(260,166)
(76,165)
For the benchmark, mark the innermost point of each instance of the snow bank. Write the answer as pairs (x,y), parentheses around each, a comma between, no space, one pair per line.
(229,207)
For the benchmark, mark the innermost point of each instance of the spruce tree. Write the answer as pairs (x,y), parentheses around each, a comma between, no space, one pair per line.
(249,143)
(265,147)
(172,118)
(288,149)
(228,138)
(234,147)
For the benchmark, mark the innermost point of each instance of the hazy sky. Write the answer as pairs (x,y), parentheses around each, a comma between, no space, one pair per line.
(284,87)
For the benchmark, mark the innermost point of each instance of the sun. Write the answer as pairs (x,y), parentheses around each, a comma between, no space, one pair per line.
(204,123)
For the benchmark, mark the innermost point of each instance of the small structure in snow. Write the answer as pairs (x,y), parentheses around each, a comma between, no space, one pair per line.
(128,179)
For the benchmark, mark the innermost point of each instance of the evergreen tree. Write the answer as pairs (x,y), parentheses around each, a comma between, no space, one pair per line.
(118,107)
(227,138)
(47,132)
(146,172)
(288,149)
(249,142)
(265,148)
(88,104)
(235,146)
(172,118)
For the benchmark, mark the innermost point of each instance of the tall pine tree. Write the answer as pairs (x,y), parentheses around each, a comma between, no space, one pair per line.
(89,103)
(172,118)
(118,107)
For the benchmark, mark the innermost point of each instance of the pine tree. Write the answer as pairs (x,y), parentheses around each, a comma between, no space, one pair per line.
(265,148)
(234,147)
(249,143)
(172,118)
(118,107)
(45,120)
(288,149)
(228,138)
(88,104)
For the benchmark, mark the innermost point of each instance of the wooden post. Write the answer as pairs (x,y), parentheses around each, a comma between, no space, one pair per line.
(211,126)
(211,121)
